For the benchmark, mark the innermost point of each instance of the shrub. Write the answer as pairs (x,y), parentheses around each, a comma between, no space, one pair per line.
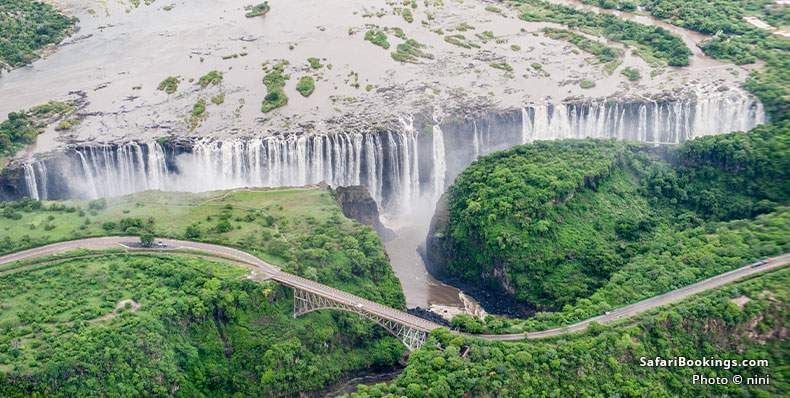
(305,86)
(169,85)
(212,78)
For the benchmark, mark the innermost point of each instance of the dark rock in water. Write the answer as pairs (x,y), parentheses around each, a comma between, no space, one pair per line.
(357,204)
(428,315)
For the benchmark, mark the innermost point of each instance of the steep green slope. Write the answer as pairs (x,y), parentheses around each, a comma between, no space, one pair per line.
(739,322)
(201,328)
(556,223)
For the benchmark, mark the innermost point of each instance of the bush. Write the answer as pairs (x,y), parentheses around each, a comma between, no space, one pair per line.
(169,85)
(146,239)
(212,78)
(305,86)
(631,73)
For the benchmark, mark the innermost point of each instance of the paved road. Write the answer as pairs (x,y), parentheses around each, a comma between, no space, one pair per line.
(264,270)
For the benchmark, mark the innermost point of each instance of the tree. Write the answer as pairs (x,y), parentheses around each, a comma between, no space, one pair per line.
(146,239)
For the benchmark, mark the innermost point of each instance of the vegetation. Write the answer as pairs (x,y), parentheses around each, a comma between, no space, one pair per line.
(22,128)
(169,85)
(305,86)
(460,41)
(257,10)
(586,83)
(378,38)
(584,226)
(218,99)
(315,63)
(652,42)
(736,40)
(212,78)
(622,5)
(202,328)
(410,51)
(742,321)
(275,82)
(631,73)
(26,26)
(609,56)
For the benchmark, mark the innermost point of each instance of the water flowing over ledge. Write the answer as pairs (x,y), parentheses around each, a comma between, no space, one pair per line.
(408,166)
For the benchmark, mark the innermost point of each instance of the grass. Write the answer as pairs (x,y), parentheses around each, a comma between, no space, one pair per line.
(169,85)
(305,86)
(586,84)
(218,99)
(212,78)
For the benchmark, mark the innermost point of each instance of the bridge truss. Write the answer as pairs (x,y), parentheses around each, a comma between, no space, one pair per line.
(305,302)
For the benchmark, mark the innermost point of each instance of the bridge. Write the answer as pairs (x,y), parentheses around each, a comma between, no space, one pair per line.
(412,331)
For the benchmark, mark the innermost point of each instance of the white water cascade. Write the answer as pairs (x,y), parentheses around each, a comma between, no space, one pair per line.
(387,162)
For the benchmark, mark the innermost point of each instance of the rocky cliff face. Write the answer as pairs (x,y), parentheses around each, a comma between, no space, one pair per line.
(357,204)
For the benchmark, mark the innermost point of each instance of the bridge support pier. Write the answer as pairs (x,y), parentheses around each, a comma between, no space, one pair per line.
(305,302)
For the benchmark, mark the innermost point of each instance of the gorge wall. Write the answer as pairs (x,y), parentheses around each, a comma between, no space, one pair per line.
(402,167)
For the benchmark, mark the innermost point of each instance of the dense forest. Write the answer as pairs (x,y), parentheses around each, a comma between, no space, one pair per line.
(25,27)
(653,43)
(742,321)
(70,328)
(582,226)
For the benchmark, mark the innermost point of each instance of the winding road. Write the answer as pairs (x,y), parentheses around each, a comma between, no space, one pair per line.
(263,270)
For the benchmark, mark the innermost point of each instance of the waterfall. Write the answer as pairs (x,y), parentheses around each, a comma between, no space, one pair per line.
(439,162)
(387,162)
(30,180)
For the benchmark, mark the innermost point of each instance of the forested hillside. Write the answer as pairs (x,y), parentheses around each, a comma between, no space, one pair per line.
(123,325)
(587,224)
(25,27)
(743,321)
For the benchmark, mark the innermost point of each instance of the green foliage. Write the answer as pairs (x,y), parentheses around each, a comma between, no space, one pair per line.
(631,73)
(583,226)
(621,5)
(198,327)
(212,78)
(305,86)
(274,82)
(22,128)
(169,85)
(586,83)
(654,41)
(315,63)
(146,239)
(502,66)
(257,10)
(736,40)
(218,99)
(378,38)
(605,361)
(26,26)
(410,51)
(200,324)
